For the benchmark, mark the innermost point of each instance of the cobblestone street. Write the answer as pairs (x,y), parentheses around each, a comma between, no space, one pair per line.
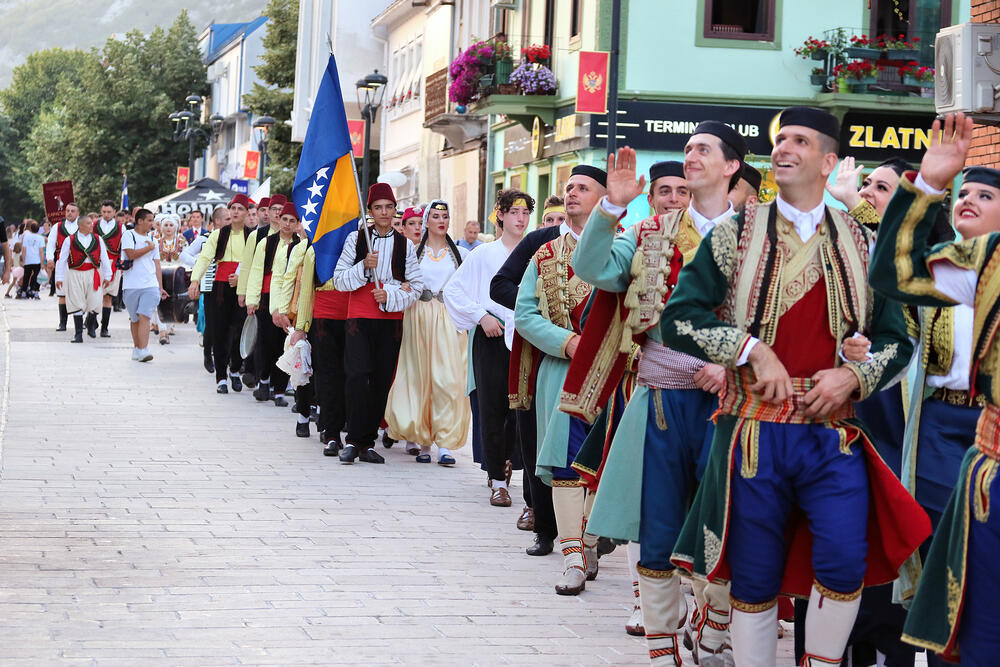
(146,520)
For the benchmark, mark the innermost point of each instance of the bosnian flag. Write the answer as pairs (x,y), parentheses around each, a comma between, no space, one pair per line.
(326,188)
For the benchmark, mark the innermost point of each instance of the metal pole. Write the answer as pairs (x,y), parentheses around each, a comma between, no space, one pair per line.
(190,156)
(369,114)
(263,158)
(616,17)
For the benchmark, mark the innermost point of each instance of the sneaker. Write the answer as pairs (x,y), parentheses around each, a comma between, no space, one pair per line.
(145,355)
(135,354)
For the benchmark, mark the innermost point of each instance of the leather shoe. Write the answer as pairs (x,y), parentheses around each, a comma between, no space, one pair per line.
(590,562)
(302,430)
(209,365)
(500,497)
(249,380)
(262,393)
(572,582)
(527,519)
(222,389)
(280,402)
(371,456)
(105,333)
(333,447)
(349,454)
(635,626)
(541,547)
(237,384)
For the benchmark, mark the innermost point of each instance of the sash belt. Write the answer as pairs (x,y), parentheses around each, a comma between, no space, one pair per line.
(663,368)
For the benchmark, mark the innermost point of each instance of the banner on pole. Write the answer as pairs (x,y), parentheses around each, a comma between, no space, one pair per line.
(592,86)
(251,164)
(357,130)
(56,194)
(183,176)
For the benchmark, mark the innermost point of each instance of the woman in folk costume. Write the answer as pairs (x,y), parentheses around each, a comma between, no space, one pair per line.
(172,244)
(954,611)
(427,404)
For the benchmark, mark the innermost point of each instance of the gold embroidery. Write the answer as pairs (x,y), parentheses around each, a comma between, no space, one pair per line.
(870,372)
(938,338)
(750,448)
(654,574)
(650,273)
(982,482)
(724,244)
(954,597)
(661,419)
(908,280)
(834,595)
(984,329)
(713,549)
(722,345)
(865,214)
(561,483)
(751,608)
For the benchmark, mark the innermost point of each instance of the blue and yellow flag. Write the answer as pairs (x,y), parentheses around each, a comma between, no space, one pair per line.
(326,190)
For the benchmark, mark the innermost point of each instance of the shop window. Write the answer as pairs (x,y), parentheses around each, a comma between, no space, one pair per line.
(740,19)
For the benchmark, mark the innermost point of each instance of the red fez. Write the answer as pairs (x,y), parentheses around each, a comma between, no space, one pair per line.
(380,191)
(278,200)
(265,202)
(241,199)
(289,209)
(413,212)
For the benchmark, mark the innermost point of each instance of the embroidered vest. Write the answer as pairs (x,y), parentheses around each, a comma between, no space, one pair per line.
(61,235)
(78,255)
(112,240)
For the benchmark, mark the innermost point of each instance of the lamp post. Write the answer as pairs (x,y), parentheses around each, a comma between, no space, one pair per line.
(187,127)
(262,127)
(372,89)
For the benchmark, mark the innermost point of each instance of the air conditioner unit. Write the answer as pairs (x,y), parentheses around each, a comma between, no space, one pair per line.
(504,4)
(967,62)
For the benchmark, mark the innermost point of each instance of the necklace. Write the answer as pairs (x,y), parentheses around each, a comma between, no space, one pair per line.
(435,258)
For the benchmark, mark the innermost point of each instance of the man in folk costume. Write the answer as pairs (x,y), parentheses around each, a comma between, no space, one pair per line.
(110,230)
(666,432)
(548,319)
(745,192)
(267,225)
(272,251)
(226,246)
(82,271)
(794,498)
(373,270)
(955,610)
(585,187)
(53,248)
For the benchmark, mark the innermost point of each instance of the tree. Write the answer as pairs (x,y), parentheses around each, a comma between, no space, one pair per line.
(278,72)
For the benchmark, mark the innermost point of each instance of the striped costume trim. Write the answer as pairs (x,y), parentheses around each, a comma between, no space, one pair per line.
(751,608)
(988,431)
(737,400)
(810,660)
(834,595)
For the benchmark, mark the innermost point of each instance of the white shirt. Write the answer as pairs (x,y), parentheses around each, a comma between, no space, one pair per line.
(50,245)
(703,224)
(62,266)
(436,273)
(32,243)
(467,294)
(351,274)
(143,271)
(961,360)
(806,222)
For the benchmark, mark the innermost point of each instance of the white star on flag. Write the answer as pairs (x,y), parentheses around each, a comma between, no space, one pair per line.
(309,208)
(307,225)
(321,173)
(315,190)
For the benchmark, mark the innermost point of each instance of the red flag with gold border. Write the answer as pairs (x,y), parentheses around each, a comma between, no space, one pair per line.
(592,85)
(183,177)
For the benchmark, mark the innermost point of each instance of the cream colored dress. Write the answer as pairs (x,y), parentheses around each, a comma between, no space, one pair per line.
(427,402)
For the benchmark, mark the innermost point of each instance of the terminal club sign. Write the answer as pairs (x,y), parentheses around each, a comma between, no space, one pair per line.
(663,126)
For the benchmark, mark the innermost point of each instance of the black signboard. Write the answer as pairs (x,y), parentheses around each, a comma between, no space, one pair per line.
(665,126)
(875,136)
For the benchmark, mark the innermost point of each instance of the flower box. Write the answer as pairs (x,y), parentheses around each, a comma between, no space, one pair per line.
(818,79)
(507,89)
(863,52)
(902,54)
(819,55)
(912,81)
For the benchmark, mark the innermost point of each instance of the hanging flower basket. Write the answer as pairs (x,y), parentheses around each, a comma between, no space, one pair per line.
(534,79)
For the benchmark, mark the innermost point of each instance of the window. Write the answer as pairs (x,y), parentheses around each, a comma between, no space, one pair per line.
(575,19)
(913,19)
(550,12)
(740,19)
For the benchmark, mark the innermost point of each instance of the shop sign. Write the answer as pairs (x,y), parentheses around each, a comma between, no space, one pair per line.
(873,136)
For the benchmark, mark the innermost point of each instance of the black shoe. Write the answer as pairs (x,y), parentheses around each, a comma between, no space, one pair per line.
(333,447)
(78,338)
(262,392)
(541,547)
(605,545)
(235,381)
(92,325)
(313,414)
(61,327)
(371,456)
(280,402)
(105,333)
(349,454)
(249,380)
(387,442)
(222,389)
(209,365)
(302,430)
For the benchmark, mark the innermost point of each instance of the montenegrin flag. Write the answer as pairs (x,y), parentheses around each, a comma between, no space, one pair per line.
(326,189)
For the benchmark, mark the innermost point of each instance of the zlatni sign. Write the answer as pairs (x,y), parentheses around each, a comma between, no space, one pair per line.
(871,136)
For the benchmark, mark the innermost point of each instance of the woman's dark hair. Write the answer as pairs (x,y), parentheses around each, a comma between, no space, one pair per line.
(898,165)
(457,256)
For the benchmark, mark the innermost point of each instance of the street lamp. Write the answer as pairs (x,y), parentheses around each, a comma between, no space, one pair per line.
(372,88)
(186,126)
(262,127)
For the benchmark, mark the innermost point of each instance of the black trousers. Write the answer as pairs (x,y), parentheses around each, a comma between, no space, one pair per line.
(490,363)
(270,345)
(371,349)
(227,324)
(327,339)
(29,283)
(206,335)
(541,493)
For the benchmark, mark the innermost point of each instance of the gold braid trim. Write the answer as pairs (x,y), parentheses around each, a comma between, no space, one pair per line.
(834,595)
(984,329)
(650,271)
(661,418)
(565,483)
(751,608)
(981,484)
(654,574)
(865,214)
(938,338)
(908,281)
(750,448)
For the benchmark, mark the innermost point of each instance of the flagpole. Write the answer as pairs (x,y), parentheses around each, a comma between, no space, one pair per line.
(362,224)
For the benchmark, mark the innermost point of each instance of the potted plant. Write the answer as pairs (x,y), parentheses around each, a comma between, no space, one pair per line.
(859,73)
(897,48)
(812,48)
(537,53)
(916,75)
(534,79)
(818,76)
(504,61)
(468,70)
(861,46)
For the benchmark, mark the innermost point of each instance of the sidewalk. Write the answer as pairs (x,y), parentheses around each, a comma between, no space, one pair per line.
(144,519)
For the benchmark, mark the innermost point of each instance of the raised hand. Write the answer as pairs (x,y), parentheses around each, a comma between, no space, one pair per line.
(945,157)
(845,186)
(622,185)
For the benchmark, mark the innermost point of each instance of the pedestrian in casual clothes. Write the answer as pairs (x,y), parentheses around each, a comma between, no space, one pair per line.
(142,282)
(32,256)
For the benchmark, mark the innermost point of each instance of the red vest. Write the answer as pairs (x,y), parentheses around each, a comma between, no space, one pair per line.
(81,259)
(803,340)
(113,239)
(61,235)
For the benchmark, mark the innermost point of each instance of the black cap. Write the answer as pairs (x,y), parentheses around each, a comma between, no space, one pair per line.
(751,176)
(816,119)
(726,134)
(984,175)
(667,168)
(598,175)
